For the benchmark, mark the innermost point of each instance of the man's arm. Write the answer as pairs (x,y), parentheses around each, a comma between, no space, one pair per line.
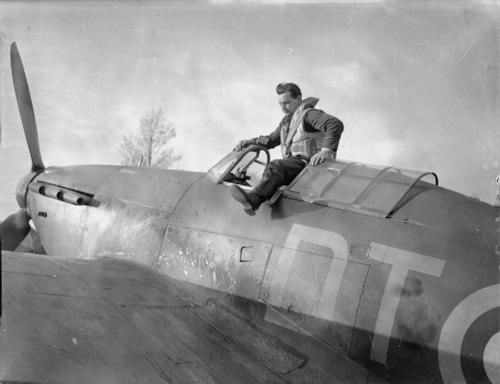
(328,124)
(269,141)
(272,140)
(332,128)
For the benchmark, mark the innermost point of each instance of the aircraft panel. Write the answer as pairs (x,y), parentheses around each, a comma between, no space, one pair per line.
(131,231)
(60,225)
(298,358)
(135,186)
(214,260)
(450,212)
(209,207)
(264,345)
(315,292)
(130,220)
(84,178)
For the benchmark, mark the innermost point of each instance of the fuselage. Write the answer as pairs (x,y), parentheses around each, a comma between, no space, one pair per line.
(390,293)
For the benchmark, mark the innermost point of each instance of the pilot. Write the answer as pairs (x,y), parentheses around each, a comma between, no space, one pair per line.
(307,136)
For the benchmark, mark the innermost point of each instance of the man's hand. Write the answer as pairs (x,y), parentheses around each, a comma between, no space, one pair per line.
(243,143)
(324,154)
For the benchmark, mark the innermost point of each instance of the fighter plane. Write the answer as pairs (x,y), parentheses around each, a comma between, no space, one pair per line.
(353,273)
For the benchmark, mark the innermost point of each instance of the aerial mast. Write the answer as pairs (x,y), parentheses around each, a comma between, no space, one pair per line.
(497,202)
(497,220)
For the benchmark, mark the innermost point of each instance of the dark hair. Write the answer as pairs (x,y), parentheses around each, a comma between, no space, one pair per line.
(289,87)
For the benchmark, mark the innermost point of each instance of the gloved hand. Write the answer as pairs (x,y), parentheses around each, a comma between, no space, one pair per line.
(243,143)
(324,154)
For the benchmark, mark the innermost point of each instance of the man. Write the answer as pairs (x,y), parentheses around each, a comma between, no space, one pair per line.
(306,135)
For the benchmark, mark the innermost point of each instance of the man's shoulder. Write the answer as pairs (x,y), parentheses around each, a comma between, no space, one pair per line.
(314,113)
(315,117)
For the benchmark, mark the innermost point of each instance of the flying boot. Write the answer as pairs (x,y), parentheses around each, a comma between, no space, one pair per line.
(250,200)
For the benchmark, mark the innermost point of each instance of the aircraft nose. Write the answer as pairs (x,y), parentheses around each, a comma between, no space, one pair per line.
(22,189)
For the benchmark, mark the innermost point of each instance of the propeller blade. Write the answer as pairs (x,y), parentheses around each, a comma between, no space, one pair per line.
(25,108)
(14,229)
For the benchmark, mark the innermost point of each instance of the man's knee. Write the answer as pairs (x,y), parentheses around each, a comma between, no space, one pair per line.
(275,168)
(283,171)
(277,163)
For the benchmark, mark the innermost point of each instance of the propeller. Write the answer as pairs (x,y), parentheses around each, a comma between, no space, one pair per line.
(16,226)
(14,229)
(25,108)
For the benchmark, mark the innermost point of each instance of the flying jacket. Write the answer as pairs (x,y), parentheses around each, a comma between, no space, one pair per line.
(305,132)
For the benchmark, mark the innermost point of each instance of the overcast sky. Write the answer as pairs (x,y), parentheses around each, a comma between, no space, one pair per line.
(415,85)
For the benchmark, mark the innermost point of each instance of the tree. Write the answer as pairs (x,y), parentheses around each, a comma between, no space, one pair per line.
(149,147)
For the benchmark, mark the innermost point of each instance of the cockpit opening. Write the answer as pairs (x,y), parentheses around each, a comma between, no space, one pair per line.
(243,167)
(353,186)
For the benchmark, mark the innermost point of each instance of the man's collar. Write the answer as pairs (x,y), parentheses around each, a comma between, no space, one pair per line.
(309,102)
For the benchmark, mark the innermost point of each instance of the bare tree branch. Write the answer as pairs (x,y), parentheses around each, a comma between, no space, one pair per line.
(149,146)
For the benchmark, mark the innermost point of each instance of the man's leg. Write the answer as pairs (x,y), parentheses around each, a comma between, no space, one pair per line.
(277,173)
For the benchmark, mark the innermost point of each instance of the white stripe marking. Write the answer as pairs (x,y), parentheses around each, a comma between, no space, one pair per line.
(402,261)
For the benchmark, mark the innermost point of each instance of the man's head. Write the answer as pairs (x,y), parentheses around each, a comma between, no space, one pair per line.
(289,97)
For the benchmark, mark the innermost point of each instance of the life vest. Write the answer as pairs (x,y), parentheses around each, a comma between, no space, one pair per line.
(295,140)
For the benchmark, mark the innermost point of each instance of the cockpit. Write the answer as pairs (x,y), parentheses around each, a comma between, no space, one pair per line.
(352,186)
(243,167)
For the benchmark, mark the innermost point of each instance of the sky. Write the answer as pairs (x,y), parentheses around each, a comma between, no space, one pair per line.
(416,84)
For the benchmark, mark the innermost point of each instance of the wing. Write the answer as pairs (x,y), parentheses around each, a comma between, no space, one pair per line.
(113,321)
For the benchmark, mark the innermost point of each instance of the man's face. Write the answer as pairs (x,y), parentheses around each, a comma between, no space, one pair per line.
(288,103)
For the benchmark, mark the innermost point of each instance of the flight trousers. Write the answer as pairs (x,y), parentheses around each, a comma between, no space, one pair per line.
(278,172)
